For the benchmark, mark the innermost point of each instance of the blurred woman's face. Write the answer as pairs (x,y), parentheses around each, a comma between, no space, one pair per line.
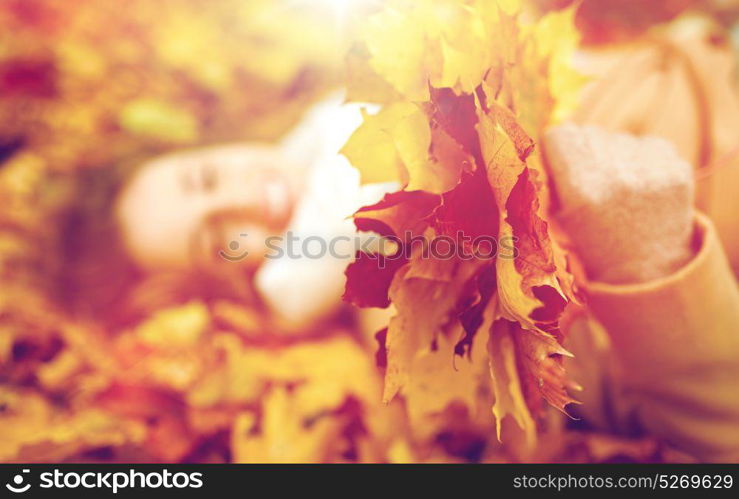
(207,206)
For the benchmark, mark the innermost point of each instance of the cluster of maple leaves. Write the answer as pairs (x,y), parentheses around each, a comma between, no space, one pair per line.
(466,89)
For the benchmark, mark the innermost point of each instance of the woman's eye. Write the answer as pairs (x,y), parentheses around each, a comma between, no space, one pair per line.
(186,182)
